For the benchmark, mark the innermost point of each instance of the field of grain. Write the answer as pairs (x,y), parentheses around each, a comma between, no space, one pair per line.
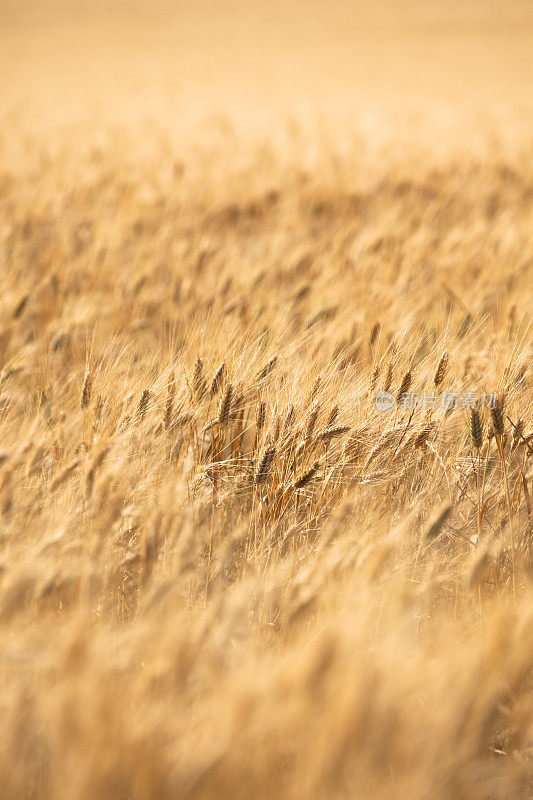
(225,572)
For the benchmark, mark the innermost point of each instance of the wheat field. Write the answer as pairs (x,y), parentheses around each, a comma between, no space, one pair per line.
(226,571)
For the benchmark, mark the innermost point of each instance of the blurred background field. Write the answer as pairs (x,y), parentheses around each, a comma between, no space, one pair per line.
(380,67)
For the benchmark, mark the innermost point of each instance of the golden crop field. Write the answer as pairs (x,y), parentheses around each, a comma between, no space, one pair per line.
(266,370)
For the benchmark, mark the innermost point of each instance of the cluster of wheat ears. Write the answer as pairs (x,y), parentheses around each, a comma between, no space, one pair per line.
(224,571)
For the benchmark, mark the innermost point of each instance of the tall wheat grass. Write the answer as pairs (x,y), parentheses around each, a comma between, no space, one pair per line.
(224,572)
